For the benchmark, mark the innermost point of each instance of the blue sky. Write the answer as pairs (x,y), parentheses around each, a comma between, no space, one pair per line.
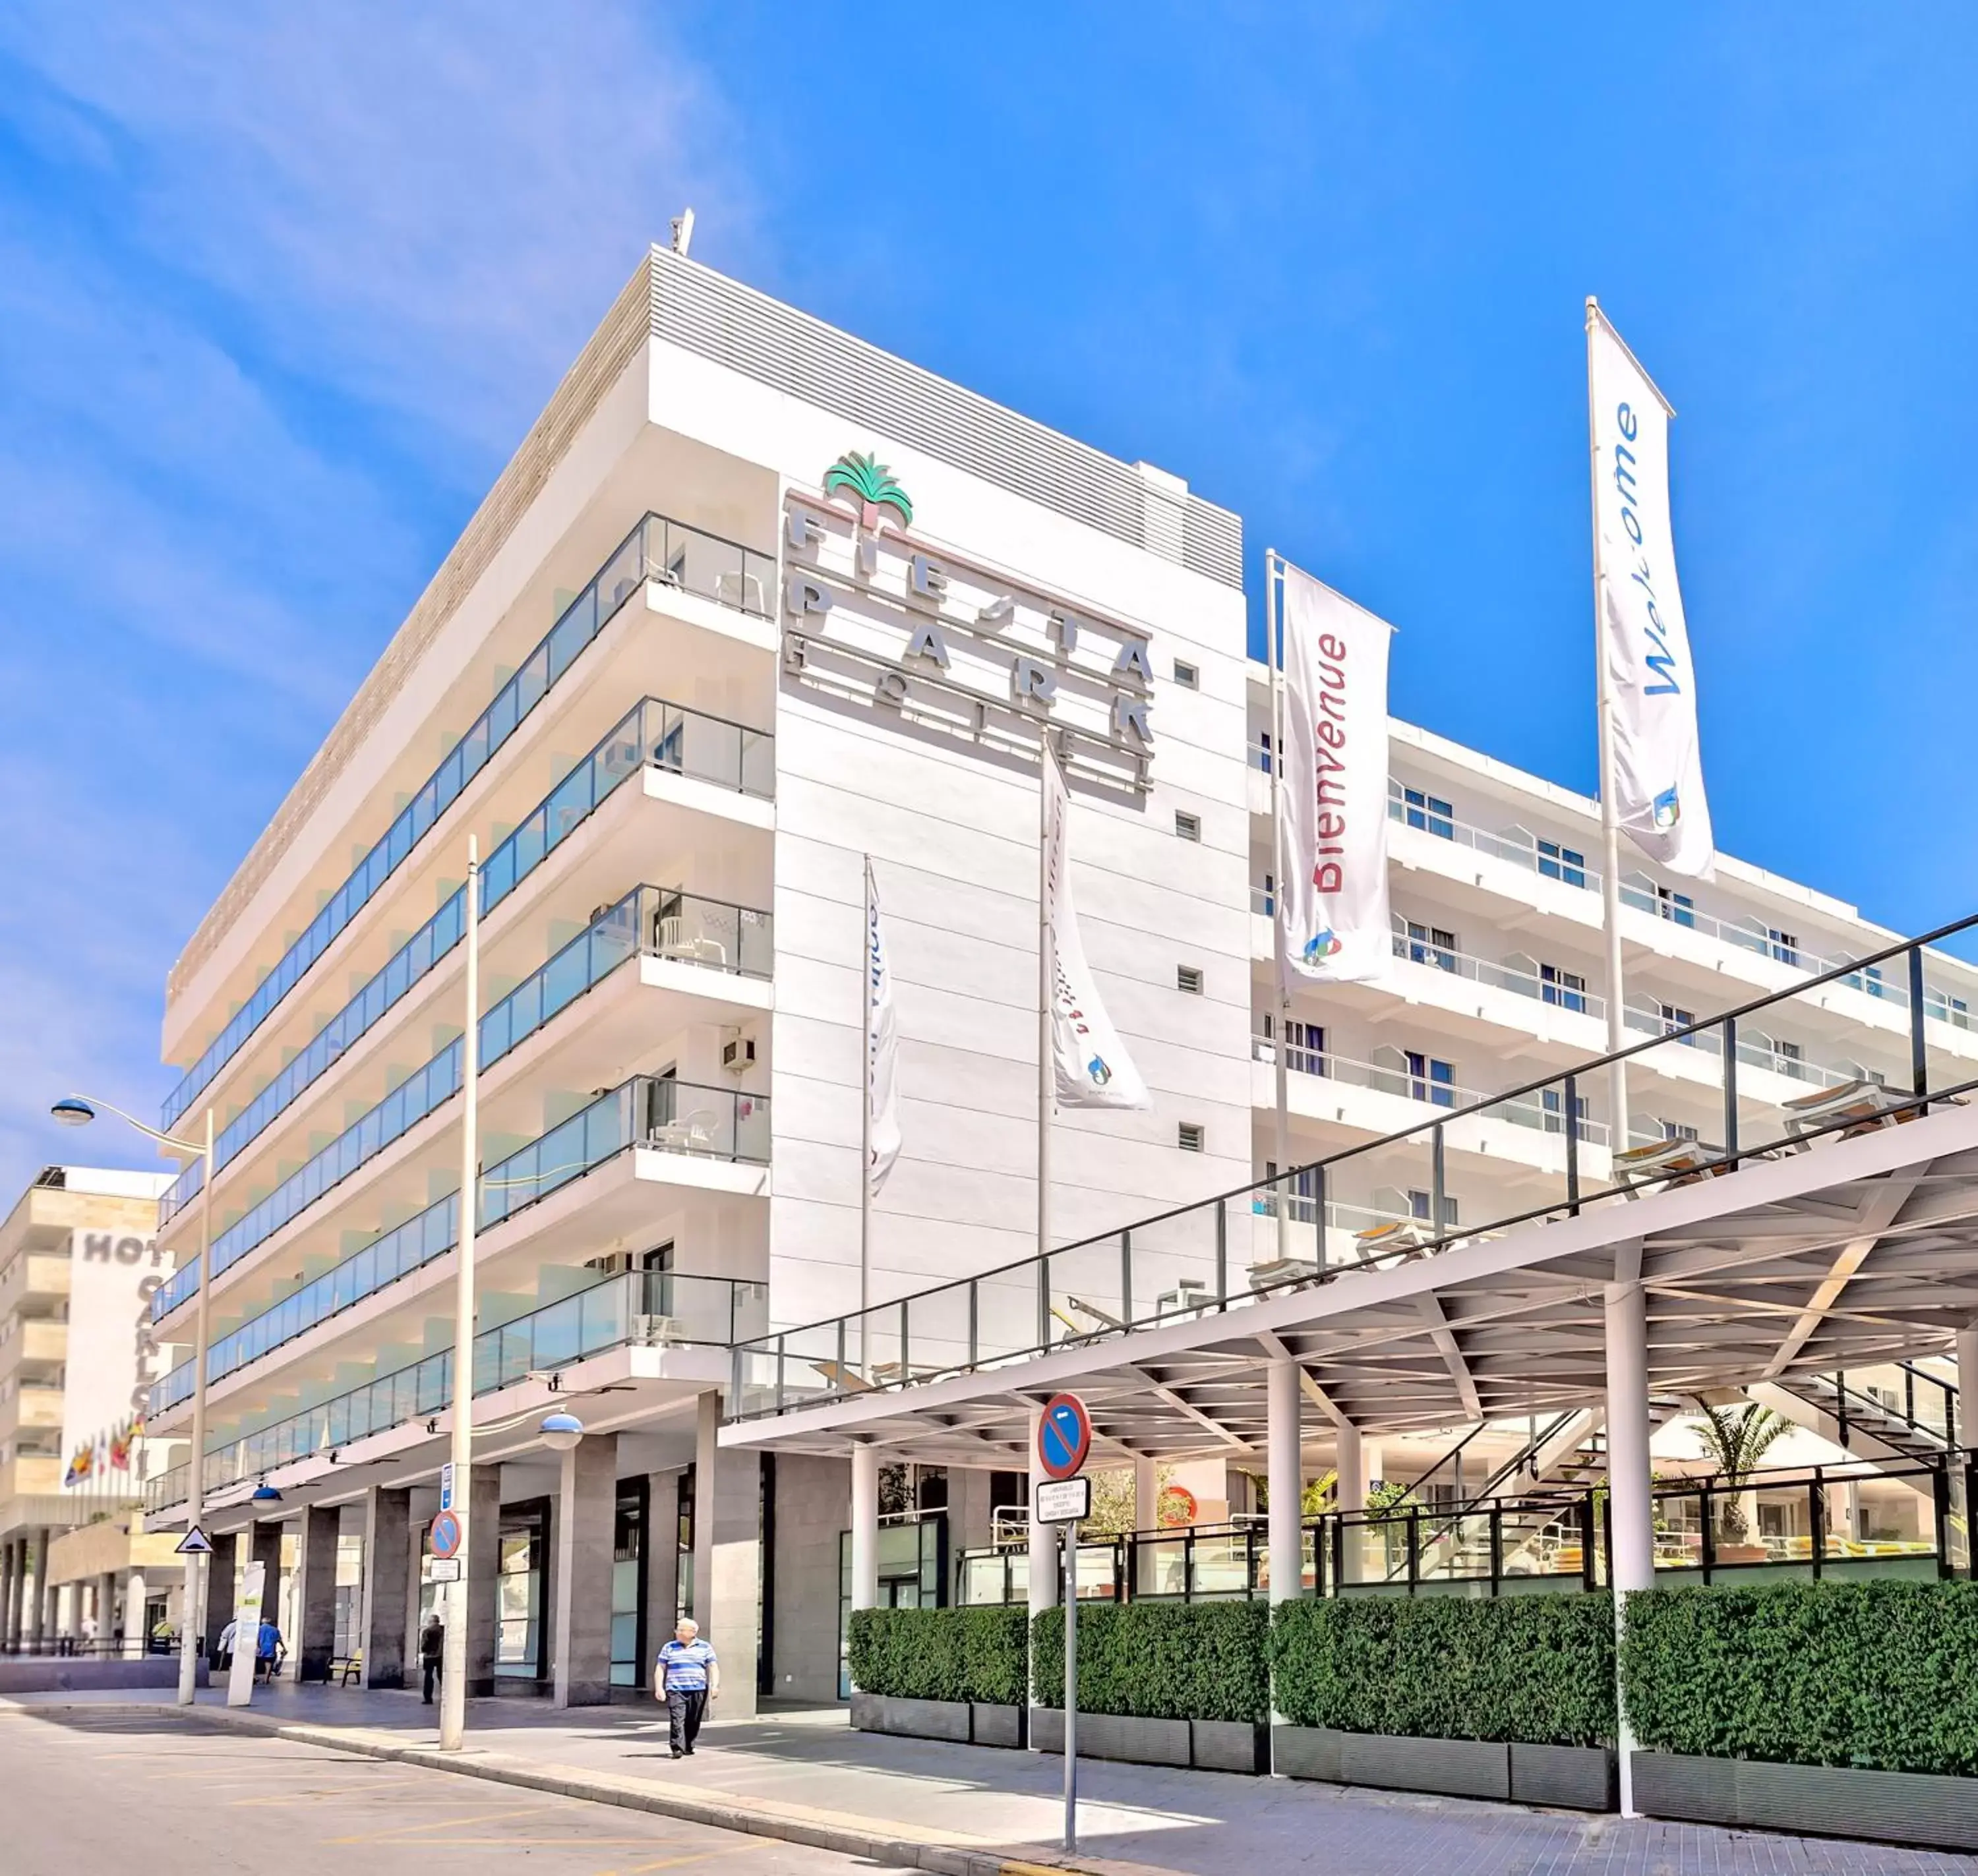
(281,287)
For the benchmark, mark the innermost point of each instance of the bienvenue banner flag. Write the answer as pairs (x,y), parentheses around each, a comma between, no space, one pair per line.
(1090,1066)
(882,1045)
(1333,783)
(1658,762)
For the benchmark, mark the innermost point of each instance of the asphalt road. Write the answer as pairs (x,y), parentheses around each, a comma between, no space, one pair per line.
(81,1793)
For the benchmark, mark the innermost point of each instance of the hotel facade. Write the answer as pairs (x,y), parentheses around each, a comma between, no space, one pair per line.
(756,604)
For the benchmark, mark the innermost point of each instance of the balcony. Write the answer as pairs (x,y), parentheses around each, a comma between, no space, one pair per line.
(680,928)
(641,1307)
(658,549)
(654,734)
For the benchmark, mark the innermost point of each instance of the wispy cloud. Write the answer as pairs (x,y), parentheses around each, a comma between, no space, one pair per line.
(281,288)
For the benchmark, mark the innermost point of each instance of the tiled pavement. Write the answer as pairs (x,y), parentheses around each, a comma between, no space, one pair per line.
(1206,1823)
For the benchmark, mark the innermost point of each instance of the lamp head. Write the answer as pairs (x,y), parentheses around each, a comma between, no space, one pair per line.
(265,1493)
(73,1110)
(561,1431)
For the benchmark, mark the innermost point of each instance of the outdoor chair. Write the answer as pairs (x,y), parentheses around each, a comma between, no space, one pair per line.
(1293,1272)
(675,941)
(1410,1237)
(689,1133)
(1867,1104)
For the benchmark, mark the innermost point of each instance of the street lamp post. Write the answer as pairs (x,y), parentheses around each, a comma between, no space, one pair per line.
(73,1111)
(453,1677)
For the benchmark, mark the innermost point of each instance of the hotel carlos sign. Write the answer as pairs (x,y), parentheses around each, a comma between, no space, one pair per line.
(874,615)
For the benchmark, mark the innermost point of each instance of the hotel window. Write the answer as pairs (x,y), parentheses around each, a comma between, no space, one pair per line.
(1189,1136)
(1675,905)
(1872,979)
(1676,1130)
(1552,1101)
(1675,1018)
(1566,987)
(1304,1047)
(1789,1058)
(1301,1189)
(1187,825)
(1430,944)
(1785,947)
(1263,751)
(1422,1204)
(1188,978)
(1431,1081)
(1187,676)
(1427,812)
(1269,901)
(1959,1012)
(1561,863)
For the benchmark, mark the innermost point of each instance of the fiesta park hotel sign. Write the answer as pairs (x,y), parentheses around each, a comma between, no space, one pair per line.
(873,614)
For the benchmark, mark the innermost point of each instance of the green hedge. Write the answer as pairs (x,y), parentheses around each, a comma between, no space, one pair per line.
(1539,1669)
(1159,1660)
(940,1654)
(1879,1674)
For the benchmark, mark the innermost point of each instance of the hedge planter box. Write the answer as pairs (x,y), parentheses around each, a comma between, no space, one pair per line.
(1206,1745)
(1940,1813)
(913,1719)
(996,1725)
(1578,1778)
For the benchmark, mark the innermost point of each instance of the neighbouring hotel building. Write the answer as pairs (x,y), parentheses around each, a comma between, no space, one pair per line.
(755,602)
(79,1263)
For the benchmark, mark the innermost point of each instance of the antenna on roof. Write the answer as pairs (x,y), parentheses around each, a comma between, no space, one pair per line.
(683,226)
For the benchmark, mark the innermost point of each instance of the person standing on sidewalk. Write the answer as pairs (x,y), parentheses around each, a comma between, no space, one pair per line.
(433,1653)
(688,1679)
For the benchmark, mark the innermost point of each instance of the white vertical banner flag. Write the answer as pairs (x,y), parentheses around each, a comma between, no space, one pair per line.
(1091,1065)
(883,1046)
(1334,786)
(1657,778)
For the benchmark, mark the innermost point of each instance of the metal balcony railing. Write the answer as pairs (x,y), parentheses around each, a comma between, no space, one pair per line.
(1264,1238)
(656,549)
(654,734)
(637,1306)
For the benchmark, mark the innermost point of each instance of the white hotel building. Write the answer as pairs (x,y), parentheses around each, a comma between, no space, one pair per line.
(678,689)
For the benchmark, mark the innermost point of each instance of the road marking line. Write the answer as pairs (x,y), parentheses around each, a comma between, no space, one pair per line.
(393,1832)
(697,1856)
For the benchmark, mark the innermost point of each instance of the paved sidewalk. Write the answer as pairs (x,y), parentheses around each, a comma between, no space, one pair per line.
(804,1776)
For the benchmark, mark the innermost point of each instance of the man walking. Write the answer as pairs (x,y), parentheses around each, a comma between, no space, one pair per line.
(432,1653)
(688,1679)
(269,1651)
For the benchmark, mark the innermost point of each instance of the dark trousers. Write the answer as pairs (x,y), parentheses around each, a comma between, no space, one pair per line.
(431,1672)
(685,1706)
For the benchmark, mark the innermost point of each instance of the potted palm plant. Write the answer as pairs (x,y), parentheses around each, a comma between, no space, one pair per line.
(1736,1440)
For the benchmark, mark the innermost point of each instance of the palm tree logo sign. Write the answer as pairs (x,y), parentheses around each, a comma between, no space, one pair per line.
(881,501)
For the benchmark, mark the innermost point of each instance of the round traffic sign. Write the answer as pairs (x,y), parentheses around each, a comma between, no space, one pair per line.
(446,1534)
(1064,1436)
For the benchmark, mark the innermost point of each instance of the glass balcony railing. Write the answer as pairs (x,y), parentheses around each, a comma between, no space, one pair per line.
(614,936)
(646,1111)
(657,549)
(654,734)
(651,1308)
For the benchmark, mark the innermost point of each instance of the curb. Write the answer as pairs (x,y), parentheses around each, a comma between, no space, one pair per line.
(754,1818)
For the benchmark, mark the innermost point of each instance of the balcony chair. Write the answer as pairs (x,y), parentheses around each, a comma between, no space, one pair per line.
(1293,1272)
(1410,1237)
(675,941)
(687,1133)
(1867,1104)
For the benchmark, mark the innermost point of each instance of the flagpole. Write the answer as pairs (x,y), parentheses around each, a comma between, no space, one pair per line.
(865,1112)
(1281,1198)
(1610,825)
(1046,1090)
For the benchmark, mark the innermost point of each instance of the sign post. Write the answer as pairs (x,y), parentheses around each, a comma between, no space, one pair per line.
(246,1636)
(1064,1442)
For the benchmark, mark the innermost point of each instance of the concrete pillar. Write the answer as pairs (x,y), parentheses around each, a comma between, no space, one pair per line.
(1146,1495)
(382,1624)
(483,1571)
(223,1571)
(864,1527)
(660,1562)
(38,1604)
(1630,1512)
(264,1546)
(586,1510)
(9,1609)
(315,1640)
(1349,1496)
(135,1640)
(1967,1386)
(1282,1437)
(1044,1572)
(727,1557)
(106,1612)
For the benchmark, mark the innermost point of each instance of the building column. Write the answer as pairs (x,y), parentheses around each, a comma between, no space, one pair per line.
(315,1640)
(1968,1385)
(484,1571)
(1146,1495)
(1285,1469)
(10,1586)
(660,1563)
(587,1512)
(1044,1584)
(222,1571)
(381,1626)
(727,1557)
(37,1608)
(1349,1496)
(264,1546)
(864,1527)
(106,1612)
(135,1638)
(1630,1511)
